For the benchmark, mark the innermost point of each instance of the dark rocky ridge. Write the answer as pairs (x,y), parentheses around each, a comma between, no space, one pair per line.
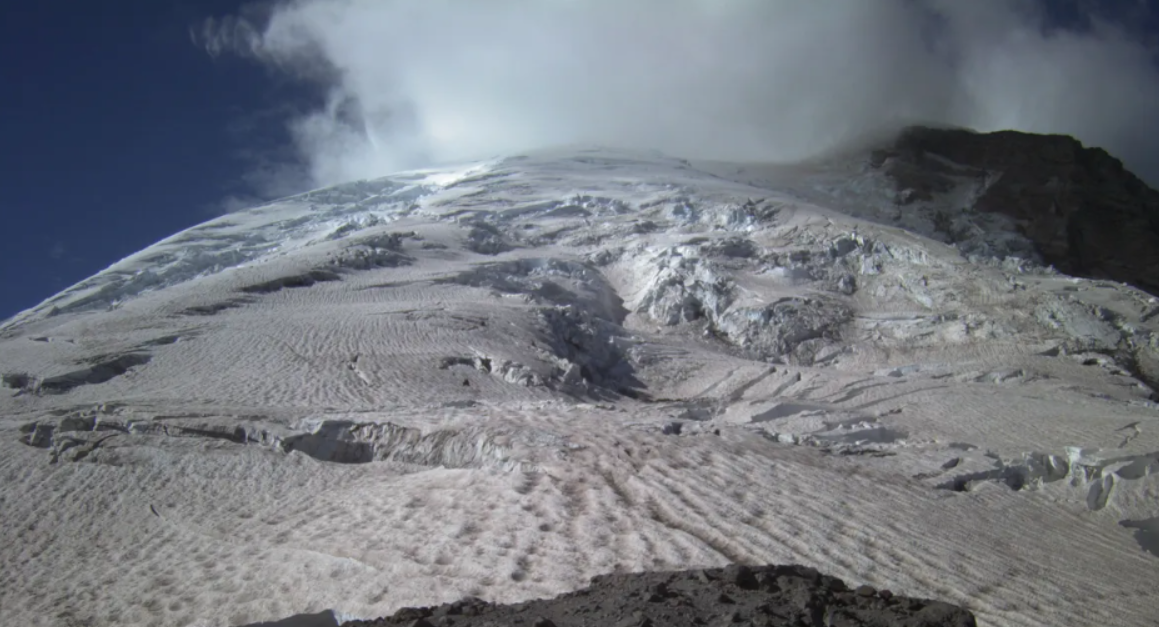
(735,595)
(1085,213)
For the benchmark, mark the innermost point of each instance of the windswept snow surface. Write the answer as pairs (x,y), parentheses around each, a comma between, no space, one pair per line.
(503,379)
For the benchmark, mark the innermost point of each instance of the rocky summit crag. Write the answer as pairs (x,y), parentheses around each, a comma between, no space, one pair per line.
(1085,213)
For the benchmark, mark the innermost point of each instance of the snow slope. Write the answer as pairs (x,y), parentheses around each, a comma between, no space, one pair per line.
(505,378)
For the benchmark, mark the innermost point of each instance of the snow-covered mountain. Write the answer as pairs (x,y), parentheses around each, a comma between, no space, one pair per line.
(505,378)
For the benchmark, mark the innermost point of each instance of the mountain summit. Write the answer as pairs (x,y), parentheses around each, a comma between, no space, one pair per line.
(1084,212)
(502,379)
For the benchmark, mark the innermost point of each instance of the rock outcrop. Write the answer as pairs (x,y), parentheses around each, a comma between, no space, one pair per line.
(1085,213)
(734,595)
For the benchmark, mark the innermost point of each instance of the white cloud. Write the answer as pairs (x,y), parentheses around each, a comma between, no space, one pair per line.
(412,82)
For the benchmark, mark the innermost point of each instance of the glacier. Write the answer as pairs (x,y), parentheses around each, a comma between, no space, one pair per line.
(503,378)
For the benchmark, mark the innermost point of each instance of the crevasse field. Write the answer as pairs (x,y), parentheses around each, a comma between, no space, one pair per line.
(502,379)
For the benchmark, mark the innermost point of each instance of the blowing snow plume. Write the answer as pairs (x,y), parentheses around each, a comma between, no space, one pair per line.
(410,83)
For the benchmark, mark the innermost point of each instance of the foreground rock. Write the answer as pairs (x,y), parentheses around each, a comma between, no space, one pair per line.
(735,595)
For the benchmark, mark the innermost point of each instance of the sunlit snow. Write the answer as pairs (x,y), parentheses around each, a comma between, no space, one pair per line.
(504,378)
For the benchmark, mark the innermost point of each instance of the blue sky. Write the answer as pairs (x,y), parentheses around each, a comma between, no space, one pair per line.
(121,127)
(117,132)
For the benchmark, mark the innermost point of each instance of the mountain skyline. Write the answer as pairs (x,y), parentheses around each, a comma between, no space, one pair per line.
(128,129)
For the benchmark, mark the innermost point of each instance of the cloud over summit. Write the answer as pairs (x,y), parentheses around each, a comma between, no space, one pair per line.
(407,83)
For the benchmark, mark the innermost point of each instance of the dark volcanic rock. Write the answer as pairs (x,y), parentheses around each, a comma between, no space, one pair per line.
(1085,213)
(736,595)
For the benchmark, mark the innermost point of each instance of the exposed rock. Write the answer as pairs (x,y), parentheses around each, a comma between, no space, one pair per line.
(1084,213)
(737,594)
(321,619)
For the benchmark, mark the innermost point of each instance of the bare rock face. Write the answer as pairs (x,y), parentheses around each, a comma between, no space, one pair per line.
(734,595)
(1085,213)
